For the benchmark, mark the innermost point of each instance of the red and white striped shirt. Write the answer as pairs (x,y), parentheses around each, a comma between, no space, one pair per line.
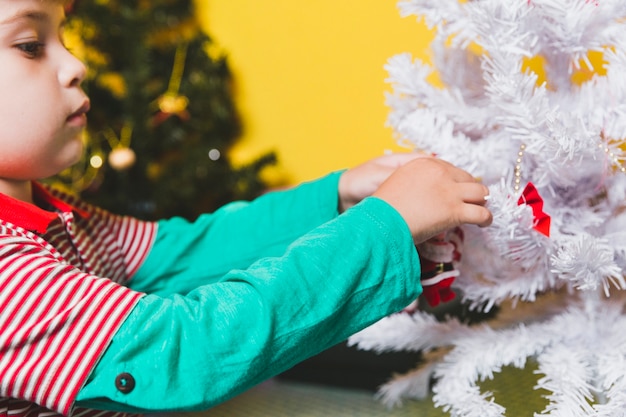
(62,263)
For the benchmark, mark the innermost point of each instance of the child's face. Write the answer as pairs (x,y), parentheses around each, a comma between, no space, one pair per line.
(42,106)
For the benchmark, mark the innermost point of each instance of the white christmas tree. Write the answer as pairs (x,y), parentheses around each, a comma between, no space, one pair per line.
(524,108)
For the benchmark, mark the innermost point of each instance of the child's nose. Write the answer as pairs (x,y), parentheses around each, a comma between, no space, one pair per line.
(73,71)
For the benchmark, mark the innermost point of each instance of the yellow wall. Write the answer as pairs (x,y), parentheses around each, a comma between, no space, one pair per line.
(310,76)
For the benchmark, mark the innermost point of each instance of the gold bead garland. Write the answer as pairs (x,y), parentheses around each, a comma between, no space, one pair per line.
(518,167)
(614,159)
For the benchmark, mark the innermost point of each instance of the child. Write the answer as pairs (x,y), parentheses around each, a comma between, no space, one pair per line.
(99,311)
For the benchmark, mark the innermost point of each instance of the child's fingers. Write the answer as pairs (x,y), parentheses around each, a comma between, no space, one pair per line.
(474,211)
(476,214)
(474,193)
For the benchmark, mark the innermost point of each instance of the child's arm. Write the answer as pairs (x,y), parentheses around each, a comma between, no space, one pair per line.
(186,255)
(194,351)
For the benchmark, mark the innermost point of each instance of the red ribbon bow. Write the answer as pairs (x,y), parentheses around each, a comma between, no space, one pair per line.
(530,196)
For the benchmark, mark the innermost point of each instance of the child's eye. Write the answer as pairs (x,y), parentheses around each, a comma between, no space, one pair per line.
(31,49)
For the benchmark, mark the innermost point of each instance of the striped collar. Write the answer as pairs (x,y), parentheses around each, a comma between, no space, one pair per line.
(33,217)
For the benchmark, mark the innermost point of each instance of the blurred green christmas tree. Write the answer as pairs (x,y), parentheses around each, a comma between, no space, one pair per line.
(163,116)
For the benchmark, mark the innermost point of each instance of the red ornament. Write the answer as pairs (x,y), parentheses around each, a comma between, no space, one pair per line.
(530,196)
(437,261)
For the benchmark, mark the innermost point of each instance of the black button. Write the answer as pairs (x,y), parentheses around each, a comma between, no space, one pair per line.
(125,382)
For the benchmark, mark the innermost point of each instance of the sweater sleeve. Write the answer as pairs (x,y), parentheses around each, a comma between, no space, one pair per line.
(194,351)
(186,254)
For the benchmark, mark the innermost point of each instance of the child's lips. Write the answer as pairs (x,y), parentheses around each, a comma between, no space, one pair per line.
(79,117)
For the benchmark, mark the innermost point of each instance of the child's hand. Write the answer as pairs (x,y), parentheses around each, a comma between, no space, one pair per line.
(361,181)
(433,196)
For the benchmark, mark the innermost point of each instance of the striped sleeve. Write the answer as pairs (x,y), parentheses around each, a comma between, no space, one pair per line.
(55,322)
(135,238)
(128,240)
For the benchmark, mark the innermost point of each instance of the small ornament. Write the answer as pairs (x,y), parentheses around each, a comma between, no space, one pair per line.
(122,158)
(438,256)
(172,103)
(530,196)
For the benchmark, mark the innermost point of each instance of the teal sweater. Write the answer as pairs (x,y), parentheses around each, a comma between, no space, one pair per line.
(250,290)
